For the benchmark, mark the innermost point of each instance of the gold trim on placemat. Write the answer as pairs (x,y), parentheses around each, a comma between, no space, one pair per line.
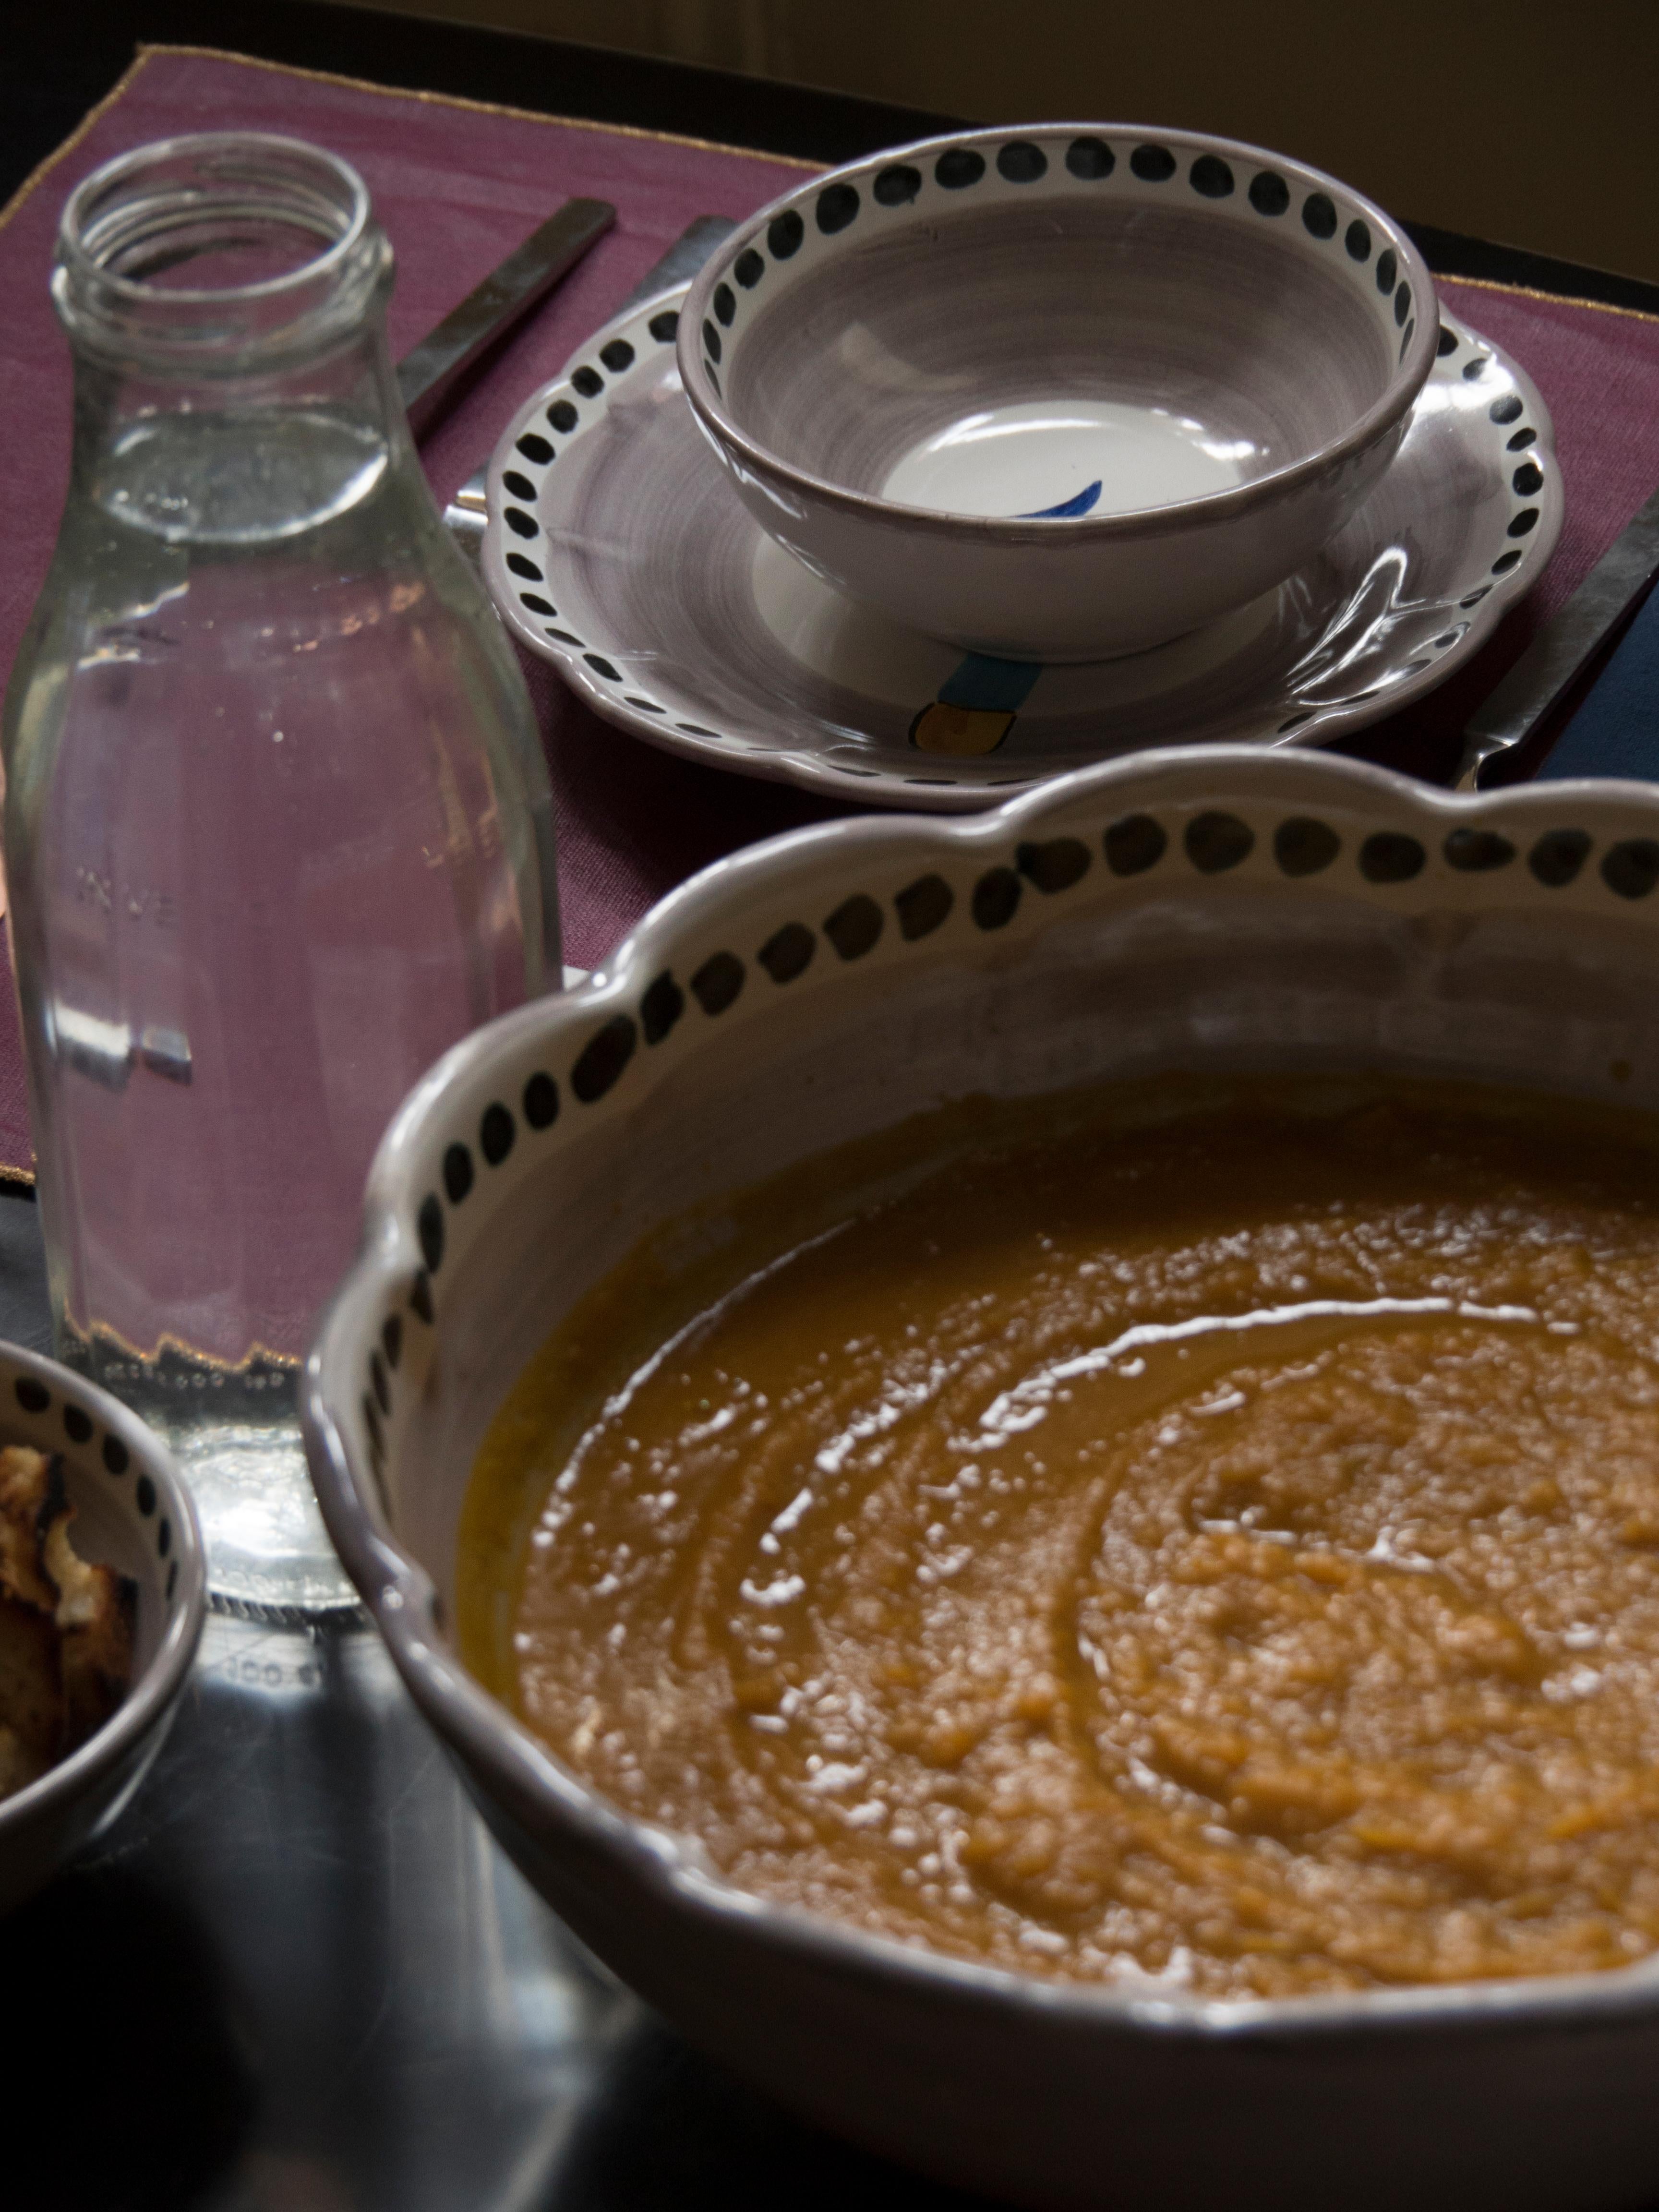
(476,106)
(1550,299)
(93,116)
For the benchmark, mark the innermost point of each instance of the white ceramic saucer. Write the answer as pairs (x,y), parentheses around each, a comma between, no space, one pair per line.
(615,550)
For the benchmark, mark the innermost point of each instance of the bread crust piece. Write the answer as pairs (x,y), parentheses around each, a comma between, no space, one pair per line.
(66,1627)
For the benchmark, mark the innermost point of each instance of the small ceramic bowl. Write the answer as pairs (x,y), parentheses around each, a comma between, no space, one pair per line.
(131,1512)
(1060,393)
(1222,908)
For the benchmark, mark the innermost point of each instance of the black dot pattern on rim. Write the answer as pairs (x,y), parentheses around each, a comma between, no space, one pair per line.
(617,356)
(1211,176)
(496,1130)
(784,234)
(1402,304)
(718,982)
(541,1101)
(1505,562)
(458,1172)
(665,326)
(726,305)
(1477,852)
(603,1059)
(1389,856)
(646,705)
(172,1580)
(923,906)
(711,340)
(378,1383)
(1134,844)
(1475,369)
(749,268)
(838,205)
(897,187)
(787,952)
(429,1228)
(33,1397)
(1505,409)
(1303,846)
(1559,855)
(710,374)
(420,1297)
(1269,193)
(145,1494)
(1447,344)
(1631,868)
(996,897)
(1153,164)
(117,1458)
(957,168)
(1216,841)
(520,523)
(392,1338)
(1405,337)
(566,637)
(1357,239)
(372,1423)
(1090,160)
(563,415)
(1528,479)
(1021,162)
(1475,598)
(1523,522)
(660,1007)
(537,603)
(77,1424)
(855,927)
(535,447)
(601,666)
(587,381)
(1295,722)
(1054,865)
(521,564)
(1521,440)
(1388,268)
(1319,215)
(164,1538)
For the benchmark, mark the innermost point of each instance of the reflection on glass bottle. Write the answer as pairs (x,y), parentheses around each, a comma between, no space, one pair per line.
(277,825)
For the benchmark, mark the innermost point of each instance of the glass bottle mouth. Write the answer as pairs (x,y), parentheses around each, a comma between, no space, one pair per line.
(224,250)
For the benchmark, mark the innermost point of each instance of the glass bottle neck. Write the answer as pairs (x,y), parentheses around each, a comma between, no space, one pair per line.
(225,299)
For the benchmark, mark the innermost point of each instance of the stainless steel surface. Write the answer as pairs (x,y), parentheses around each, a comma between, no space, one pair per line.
(299,1976)
(430,370)
(1565,646)
(465,514)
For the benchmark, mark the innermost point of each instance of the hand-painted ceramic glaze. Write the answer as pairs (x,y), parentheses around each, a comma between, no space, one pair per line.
(131,1512)
(616,549)
(903,366)
(1219,909)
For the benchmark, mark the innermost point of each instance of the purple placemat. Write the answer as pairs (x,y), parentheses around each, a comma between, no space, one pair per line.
(456,185)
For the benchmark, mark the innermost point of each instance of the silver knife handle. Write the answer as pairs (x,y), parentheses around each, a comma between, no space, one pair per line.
(425,376)
(1565,645)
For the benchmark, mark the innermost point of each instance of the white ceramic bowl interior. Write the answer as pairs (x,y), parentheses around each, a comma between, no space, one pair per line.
(1223,908)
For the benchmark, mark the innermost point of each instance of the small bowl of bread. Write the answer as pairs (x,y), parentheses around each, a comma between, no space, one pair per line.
(102,1596)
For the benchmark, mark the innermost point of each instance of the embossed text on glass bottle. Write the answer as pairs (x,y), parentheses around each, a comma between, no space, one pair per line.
(277,827)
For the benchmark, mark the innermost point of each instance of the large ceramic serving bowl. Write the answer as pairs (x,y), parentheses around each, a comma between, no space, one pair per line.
(1064,392)
(131,1512)
(1222,909)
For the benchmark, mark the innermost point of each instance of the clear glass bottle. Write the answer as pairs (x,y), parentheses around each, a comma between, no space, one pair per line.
(277,824)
